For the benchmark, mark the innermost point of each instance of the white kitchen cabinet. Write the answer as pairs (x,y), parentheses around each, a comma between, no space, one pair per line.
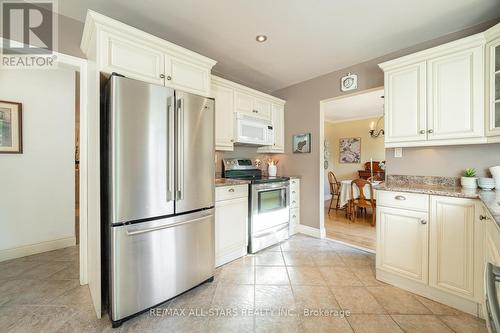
(224,122)
(187,76)
(294,220)
(492,82)
(491,246)
(456,95)
(231,223)
(278,119)
(436,96)
(294,205)
(131,57)
(405,104)
(251,105)
(456,241)
(136,54)
(402,243)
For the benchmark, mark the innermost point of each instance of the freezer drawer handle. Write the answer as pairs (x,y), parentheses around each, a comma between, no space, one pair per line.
(164,226)
(491,276)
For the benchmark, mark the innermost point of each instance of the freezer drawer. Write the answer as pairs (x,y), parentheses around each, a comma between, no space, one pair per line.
(154,261)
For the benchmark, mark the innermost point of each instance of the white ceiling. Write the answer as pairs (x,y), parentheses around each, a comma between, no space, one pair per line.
(358,106)
(307,38)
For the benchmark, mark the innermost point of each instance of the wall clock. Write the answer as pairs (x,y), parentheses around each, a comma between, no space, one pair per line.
(349,82)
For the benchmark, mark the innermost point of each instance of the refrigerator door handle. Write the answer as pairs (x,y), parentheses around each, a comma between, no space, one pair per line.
(170,152)
(179,195)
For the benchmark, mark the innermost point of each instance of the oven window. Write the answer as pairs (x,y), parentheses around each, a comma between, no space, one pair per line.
(271,200)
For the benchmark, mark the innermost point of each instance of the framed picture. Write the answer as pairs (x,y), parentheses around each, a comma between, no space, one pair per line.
(11,127)
(350,150)
(302,143)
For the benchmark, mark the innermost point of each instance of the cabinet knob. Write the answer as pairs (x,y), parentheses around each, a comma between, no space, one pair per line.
(483,217)
(169,78)
(162,76)
(422,131)
(232,140)
(400,197)
(255,111)
(231,190)
(294,201)
(293,192)
(430,131)
(423,221)
(294,216)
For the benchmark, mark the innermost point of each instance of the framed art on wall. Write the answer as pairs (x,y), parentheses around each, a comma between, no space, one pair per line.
(350,150)
(11,127)
(302,143)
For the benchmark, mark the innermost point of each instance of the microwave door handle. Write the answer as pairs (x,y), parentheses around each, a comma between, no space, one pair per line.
(179,195)
(170,150)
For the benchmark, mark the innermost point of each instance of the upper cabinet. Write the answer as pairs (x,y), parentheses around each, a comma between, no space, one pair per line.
(230,98)
(436,96)
(128,51)
(493,84)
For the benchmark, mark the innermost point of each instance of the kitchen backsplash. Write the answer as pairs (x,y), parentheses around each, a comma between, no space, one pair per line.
(245,152)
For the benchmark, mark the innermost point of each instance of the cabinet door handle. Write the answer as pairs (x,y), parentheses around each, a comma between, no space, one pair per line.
(483,217)
(430,131)
(423,221)
(422,131)
(162,76)
(169,78)
(231,190)
(400,197)
(293,192)
(294,216)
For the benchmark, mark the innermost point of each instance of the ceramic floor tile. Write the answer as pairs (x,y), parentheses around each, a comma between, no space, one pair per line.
(465,323)
(237,274)
(274,297)
(339,276)
(366,275)
(314,297)
(233,296)
(42,319)
(373,324)
(303,275)
(322,324)
(271,275)
(421,324)
(46,270)
(72,271)
(42,291)
(327,259)
(15,268)
(275,324)
(437,308)
(357,300)
(197,298)
(298,259)
(271,258)
(398,301)
(358,259)
(239,324)
(79,295)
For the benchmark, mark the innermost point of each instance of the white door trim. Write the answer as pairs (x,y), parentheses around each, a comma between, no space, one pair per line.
(79,65)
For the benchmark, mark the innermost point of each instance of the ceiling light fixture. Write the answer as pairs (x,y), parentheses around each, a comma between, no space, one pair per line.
(261,38)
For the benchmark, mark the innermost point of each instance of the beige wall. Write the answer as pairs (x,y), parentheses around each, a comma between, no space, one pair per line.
(444,161)
(302,115)
(370,147)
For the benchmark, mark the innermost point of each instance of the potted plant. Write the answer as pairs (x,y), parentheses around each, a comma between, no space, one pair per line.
(469,179)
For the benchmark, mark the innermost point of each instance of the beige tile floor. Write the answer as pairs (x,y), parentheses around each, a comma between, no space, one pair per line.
(41,294)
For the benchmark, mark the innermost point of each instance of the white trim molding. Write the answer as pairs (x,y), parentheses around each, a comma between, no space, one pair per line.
(27,250)
(310,231)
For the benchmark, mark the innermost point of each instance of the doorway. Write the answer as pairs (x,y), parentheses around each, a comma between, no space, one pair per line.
(353,151)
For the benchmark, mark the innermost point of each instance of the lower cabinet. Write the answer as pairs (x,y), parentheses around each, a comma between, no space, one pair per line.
(294,205)
(435,250)
(231,223)
(402,243)
(455,257)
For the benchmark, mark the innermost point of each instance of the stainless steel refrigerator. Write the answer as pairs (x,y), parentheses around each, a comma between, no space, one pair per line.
(157,151)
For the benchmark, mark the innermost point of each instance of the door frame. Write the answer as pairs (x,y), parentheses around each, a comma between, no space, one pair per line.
(78,65)
(322,154)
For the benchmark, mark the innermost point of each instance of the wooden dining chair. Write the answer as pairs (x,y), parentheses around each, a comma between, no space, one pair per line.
(360,203)
(334,191)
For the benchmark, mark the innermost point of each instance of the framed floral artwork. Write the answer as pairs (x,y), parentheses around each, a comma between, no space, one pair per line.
(11,127)
(350,150)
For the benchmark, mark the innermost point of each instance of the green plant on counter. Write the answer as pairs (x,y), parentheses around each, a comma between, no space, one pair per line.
(470,172)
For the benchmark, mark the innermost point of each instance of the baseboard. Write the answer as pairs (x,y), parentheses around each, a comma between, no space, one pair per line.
(27,250)
(229,256)
(310,231)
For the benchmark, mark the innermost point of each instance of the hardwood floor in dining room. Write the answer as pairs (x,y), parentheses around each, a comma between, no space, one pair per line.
(359,232)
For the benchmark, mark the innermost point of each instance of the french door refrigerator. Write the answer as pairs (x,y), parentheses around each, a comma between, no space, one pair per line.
(157,165)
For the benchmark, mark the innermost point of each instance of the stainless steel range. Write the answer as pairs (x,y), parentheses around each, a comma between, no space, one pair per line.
(269,203)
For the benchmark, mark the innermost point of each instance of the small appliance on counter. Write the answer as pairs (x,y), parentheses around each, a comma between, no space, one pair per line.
(268,206)
(157,178)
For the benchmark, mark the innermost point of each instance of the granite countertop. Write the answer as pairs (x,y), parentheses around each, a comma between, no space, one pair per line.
(490,198)
(230,182)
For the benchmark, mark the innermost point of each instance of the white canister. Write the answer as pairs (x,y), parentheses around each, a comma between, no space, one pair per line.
(495,173)
(272,170)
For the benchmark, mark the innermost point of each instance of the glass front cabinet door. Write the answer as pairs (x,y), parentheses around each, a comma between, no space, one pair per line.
(493,84)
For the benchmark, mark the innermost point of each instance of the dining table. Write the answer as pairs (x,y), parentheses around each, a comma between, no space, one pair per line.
(345,191)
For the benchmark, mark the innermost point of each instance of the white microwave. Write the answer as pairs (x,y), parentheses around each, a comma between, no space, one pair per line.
(252,131)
